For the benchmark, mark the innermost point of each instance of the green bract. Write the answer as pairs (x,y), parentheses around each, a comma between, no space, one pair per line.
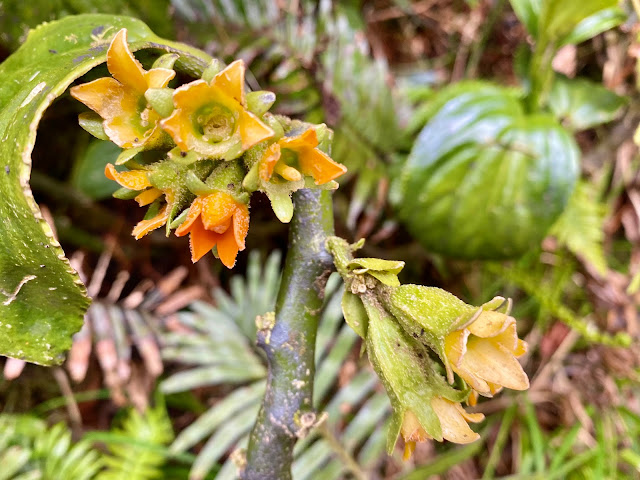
(484,179)
(42,301)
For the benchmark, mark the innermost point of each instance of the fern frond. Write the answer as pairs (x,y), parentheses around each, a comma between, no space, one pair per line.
(580,227)
(129,461)
(29,450)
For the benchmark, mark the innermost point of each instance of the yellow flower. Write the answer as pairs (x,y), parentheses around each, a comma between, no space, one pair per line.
(211,118)
(216,220)
(484,354)
(480,344)
(453,420)
(292,156)
(128,120)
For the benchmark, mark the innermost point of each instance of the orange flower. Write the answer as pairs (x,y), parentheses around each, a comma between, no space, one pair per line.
(291,156)
(211,118)
(216,220)
(128,120)
(139,180)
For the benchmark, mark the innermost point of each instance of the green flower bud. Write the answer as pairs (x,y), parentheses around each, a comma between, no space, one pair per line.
(161,100)
(260,102)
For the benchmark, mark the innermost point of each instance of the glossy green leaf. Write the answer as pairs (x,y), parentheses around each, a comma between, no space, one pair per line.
(485,180)
(566,22)
(558,19)
(42,301)
(594,25)
(18,17)
(582,104)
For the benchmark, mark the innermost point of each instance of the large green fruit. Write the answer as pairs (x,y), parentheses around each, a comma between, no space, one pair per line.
(484,180)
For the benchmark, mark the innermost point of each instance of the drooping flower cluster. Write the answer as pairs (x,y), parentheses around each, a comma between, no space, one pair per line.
(194,154)
(404,324)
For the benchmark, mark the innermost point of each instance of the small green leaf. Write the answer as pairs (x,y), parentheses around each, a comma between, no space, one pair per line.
(584,104)
(429,313)
(485,180)
(354,313)
(125,155)
(42,300)
(377,264)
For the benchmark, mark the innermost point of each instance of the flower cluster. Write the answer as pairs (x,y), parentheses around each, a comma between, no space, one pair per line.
(407,327)
(195,153)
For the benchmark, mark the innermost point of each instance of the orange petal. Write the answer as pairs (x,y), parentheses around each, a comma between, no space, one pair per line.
(148,196)
(158,77)
(201,240)
(178,126)
(231,81)
(123,65)
(133,180)
(319,165)
(218,207)
(99,95)
(146,226)
(118,106)
(268,161)
(192,96)
(307,139)
(241,225)
(194,212)
(227,248)
(252,130)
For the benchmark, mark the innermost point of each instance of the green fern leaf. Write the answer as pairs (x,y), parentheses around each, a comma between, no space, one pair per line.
(580,227)
(132,460)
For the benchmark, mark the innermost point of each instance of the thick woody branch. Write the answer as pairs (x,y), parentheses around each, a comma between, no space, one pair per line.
(289,341)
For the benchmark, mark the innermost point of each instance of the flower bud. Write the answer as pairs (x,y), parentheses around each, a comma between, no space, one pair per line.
(424,405)
(480,344)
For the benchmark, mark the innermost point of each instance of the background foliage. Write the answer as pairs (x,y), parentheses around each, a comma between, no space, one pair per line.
(443,110)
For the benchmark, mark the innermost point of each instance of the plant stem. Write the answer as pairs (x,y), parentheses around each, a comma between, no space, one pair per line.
(287,412)
(342,452)
(540,74)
